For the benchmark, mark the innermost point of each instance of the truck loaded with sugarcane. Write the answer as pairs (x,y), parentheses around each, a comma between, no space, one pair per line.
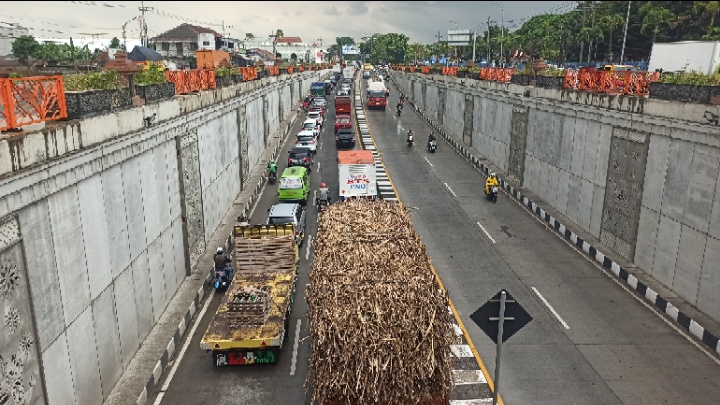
(380,328)
(251,323)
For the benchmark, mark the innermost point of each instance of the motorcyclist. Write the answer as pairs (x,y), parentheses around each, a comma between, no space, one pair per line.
(272,167)
(323,194)
(431,137)
(490,182)
(222,262)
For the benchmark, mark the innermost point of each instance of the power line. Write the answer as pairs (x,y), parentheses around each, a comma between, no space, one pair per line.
(154,11)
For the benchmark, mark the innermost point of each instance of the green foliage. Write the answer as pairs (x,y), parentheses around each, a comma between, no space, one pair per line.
(149,76)
(225,71)
(109,80)
(25,48)
(16,75)
(525,71)
(695,78)
(115,43)
(552,72)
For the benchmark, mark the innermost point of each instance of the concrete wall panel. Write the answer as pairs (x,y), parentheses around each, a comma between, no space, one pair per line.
(107,336)
(170,272)
(689,263)
(95,234)
(156,271)
(655,172)
(179,251)
(127,314)
(708,298)
(666,248)
(42,268)
(680,154)
(149,186)
(84,359)
(255,128)
(162,179)
(113,193)
(701,190)
(58,374)
(134,210)
(143,295)
(69,252)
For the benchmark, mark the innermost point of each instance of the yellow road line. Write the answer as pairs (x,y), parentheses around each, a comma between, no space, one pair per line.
(432,268)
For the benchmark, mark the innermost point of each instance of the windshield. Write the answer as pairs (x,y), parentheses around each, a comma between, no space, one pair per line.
(306,139)
(313,115)
(281,220)
(290,183)
(309,125)
(378,93)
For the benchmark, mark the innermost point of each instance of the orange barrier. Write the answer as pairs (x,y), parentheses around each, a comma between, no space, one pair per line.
(273,70)
(189,81)
(497,74)
(249,73)
(425,69)
(30,100)
(450,71)
(602,81)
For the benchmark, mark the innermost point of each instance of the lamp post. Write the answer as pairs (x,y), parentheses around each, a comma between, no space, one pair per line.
(457,62)
(502,34)
(474,34)
(627,21)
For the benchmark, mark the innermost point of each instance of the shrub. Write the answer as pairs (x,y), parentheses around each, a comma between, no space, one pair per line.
(525,71)
(16,75)
(109,80)
(552,72)
(463,69)
(695,78)
(149,76)
(226,71)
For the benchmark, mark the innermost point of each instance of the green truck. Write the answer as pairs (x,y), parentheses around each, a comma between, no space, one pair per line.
(317,89)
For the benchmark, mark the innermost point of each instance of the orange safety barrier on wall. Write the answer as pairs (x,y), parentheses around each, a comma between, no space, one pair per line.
(602,81)
(425,69)
(30,100)
(450,71)
(249,73)
(497,74)
(189,81)
(273,70)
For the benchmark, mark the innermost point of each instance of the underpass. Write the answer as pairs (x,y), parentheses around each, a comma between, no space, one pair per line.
(590,340)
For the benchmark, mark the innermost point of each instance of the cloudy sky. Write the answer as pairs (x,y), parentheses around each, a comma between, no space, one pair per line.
(310,20)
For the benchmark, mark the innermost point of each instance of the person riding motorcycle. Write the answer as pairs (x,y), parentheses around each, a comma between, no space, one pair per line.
(431,138)
(490,182)
(272,167)
(323,194)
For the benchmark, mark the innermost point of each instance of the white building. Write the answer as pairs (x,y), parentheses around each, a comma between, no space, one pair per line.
(8,33)
(289,48)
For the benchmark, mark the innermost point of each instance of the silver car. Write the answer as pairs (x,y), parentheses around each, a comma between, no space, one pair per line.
(289,213)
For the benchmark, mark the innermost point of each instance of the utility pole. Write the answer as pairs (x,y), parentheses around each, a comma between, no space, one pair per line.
(143,26)
(591,40)
(438,36)
(488,42)
(582,41)
(502,34)
(627,21)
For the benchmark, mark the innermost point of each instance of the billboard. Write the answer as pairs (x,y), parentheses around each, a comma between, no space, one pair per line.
(350,50)
(459,37)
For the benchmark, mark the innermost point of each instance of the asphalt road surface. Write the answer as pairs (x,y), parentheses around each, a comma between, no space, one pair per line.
(590,341)
(197,381)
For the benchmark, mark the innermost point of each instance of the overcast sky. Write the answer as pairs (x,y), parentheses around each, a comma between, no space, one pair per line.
(310,20)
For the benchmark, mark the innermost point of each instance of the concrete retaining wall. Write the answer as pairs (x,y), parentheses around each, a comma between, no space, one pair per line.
(642,176)
(103,218)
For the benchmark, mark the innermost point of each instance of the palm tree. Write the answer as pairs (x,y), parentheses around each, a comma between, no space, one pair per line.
(611,23)
(711,8)
(249,36)
(654,19)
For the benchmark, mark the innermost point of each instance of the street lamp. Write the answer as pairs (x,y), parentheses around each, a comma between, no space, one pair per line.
(457,62)
(502,35)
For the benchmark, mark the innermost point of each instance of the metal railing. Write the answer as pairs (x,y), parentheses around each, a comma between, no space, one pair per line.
(189,81)
(602,81)
(29,100)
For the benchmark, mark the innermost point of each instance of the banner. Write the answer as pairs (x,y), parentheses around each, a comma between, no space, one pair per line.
(350,50)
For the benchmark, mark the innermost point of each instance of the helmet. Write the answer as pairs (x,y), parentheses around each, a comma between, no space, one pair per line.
(492,174)
(272,161)
(219,250)
(323,185)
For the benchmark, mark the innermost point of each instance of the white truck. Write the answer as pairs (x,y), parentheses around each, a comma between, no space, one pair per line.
(357,177)
(699,56)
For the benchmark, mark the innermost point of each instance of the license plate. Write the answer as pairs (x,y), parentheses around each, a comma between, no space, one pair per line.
(245,358)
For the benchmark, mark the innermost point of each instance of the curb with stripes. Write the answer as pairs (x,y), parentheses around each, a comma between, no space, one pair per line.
(470,387)
(662,304)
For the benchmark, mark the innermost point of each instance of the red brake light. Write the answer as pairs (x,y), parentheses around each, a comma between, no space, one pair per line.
(217,274)
(306,160)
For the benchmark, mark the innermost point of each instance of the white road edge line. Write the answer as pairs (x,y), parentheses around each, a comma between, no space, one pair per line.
(486,232)
(547,304)
(450,190)
(307,251)
(180,356)
(296,343)
(428,162)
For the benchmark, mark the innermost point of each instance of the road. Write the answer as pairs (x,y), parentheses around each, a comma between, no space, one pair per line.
(590,342)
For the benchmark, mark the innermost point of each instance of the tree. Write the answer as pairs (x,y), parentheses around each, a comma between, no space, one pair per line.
(25,49)
(279,34)
(51,52)
(711,8)
(249,36)
(115,43)
(654,19)
(611,23)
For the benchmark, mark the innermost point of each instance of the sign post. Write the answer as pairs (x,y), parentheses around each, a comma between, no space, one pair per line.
(495,328)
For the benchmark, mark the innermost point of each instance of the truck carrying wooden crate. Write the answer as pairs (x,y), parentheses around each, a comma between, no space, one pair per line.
(380,328)
(252,320)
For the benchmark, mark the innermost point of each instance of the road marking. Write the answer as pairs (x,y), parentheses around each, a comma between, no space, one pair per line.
(318,166)
(428,162)
(315,198)
(547,304)
(307,251)
(449,189)
(180,356)
(401,128)
(321,145)
(486,232)
(296,343)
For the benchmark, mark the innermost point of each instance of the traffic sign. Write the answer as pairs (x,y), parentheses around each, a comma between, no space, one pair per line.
(487,317)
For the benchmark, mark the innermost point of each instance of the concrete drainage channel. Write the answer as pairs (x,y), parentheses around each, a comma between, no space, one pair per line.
(683,320)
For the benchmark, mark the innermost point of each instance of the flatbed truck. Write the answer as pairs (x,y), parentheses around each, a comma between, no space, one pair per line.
(251,323)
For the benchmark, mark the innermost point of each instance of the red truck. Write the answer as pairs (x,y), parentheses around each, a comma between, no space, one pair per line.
(342,121)
(343,104)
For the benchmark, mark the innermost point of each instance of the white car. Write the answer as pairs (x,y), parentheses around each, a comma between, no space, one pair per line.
(306,139)
(343,93)
(311,125)
(345,86)
(314,115)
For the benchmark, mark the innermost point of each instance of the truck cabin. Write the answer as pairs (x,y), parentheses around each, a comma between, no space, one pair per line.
(619,68)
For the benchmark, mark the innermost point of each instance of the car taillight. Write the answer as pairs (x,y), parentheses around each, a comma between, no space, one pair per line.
(297,233)
(337,138)
(306,160)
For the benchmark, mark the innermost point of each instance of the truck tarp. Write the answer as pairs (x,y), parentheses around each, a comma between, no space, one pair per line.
(700,56)
(357,174)
(265,258)
(317,88)
(343,104)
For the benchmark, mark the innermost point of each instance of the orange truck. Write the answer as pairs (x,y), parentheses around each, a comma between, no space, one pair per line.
(210,59)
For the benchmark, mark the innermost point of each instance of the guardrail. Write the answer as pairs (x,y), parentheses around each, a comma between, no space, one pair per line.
(602,81)
(189,81)
(29,100)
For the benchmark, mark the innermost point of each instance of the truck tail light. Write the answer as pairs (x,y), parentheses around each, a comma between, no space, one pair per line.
(306,160)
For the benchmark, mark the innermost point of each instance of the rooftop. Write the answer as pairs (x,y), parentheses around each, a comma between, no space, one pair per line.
(288,40)
(184,32)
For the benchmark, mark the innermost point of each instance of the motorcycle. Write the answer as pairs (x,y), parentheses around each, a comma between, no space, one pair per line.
(399,110)
(222,278)
(493,194)
(322,204)
(272,176)
(410,140)
(432,145)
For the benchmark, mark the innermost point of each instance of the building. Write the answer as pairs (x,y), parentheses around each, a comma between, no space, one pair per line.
(182,41)
(289,48)
(8,33)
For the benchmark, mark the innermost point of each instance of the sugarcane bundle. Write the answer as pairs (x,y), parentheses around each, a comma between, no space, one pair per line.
(379,323)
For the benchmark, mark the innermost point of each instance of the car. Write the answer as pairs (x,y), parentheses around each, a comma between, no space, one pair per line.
(318,108)
(345,86)
(342,121)
(311,125)
(306,138)
(320,102)
(315,115)
(345,138)
(343,93)
(300,156)
(289,213)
